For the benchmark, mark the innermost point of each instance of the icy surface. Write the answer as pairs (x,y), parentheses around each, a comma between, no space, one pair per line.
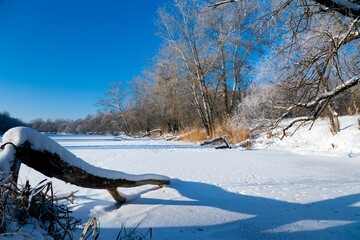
(300,188)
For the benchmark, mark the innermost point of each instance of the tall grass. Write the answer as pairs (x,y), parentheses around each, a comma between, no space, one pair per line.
(232,134)
(37,206)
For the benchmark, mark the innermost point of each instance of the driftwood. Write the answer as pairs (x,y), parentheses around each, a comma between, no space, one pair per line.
(224,142)
(246,144)
(52,165)
(147,134)
(66,196)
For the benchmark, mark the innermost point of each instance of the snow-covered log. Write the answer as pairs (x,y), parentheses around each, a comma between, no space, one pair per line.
(225,143)
(50,158)
(152,132)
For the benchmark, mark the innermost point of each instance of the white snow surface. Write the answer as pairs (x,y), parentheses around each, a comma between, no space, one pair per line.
(304,187)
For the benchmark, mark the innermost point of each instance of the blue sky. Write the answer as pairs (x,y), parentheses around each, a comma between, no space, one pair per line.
(57,57)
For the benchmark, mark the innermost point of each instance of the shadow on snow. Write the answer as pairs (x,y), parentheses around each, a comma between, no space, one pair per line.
(337,218)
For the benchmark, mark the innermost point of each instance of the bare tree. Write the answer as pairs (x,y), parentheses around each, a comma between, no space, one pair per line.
(237,40)
(319,67)
(213,49)
(114,101)
(319,36)
(183,32)
(170,94)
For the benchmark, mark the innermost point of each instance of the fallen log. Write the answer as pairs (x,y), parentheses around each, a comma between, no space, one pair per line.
(147,134)
(225,143)
(51,159)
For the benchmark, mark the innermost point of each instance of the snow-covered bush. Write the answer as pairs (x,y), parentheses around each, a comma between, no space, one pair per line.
(257,109)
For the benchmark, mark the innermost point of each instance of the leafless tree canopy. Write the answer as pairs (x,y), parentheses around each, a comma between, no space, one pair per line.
(318,58)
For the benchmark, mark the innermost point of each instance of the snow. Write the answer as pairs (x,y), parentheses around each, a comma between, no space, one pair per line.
(318,139)
(303,187)
(7,156)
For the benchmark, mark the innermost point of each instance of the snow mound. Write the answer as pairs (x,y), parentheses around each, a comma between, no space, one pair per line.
(317,138)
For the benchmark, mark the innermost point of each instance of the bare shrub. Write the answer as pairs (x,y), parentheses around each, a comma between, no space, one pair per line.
(27,205)
(257,110)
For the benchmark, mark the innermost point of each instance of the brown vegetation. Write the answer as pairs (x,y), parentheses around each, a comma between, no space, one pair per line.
(233,135)
(24,204)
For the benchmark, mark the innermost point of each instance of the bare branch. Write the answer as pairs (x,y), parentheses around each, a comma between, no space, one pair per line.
(317,105)
(345,7)
(223,2)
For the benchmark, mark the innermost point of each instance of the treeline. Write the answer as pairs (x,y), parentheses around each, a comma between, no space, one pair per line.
(7,122)
(97,124)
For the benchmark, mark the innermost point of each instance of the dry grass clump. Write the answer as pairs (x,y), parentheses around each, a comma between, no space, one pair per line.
(195,134)
(36,206)
(232,134)
(91,232)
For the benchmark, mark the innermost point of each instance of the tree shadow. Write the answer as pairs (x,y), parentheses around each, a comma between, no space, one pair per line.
(337,218)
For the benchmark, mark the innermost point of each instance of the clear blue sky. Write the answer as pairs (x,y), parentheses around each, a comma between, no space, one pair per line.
(58,56)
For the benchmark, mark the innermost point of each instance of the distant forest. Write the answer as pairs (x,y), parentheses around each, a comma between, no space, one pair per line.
(7,122)
(98,124)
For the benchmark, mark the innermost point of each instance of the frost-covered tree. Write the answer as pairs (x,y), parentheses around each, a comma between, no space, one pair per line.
(319,42)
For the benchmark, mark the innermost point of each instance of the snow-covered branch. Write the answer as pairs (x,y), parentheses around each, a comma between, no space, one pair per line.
(328,95)
(345,7)
(317,106)
(223,2)
(50,158)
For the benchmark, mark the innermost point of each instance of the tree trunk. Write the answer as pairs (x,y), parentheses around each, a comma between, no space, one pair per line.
(224,80)
(334,120)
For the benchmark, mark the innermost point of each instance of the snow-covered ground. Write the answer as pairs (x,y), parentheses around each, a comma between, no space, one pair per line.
(303,187)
